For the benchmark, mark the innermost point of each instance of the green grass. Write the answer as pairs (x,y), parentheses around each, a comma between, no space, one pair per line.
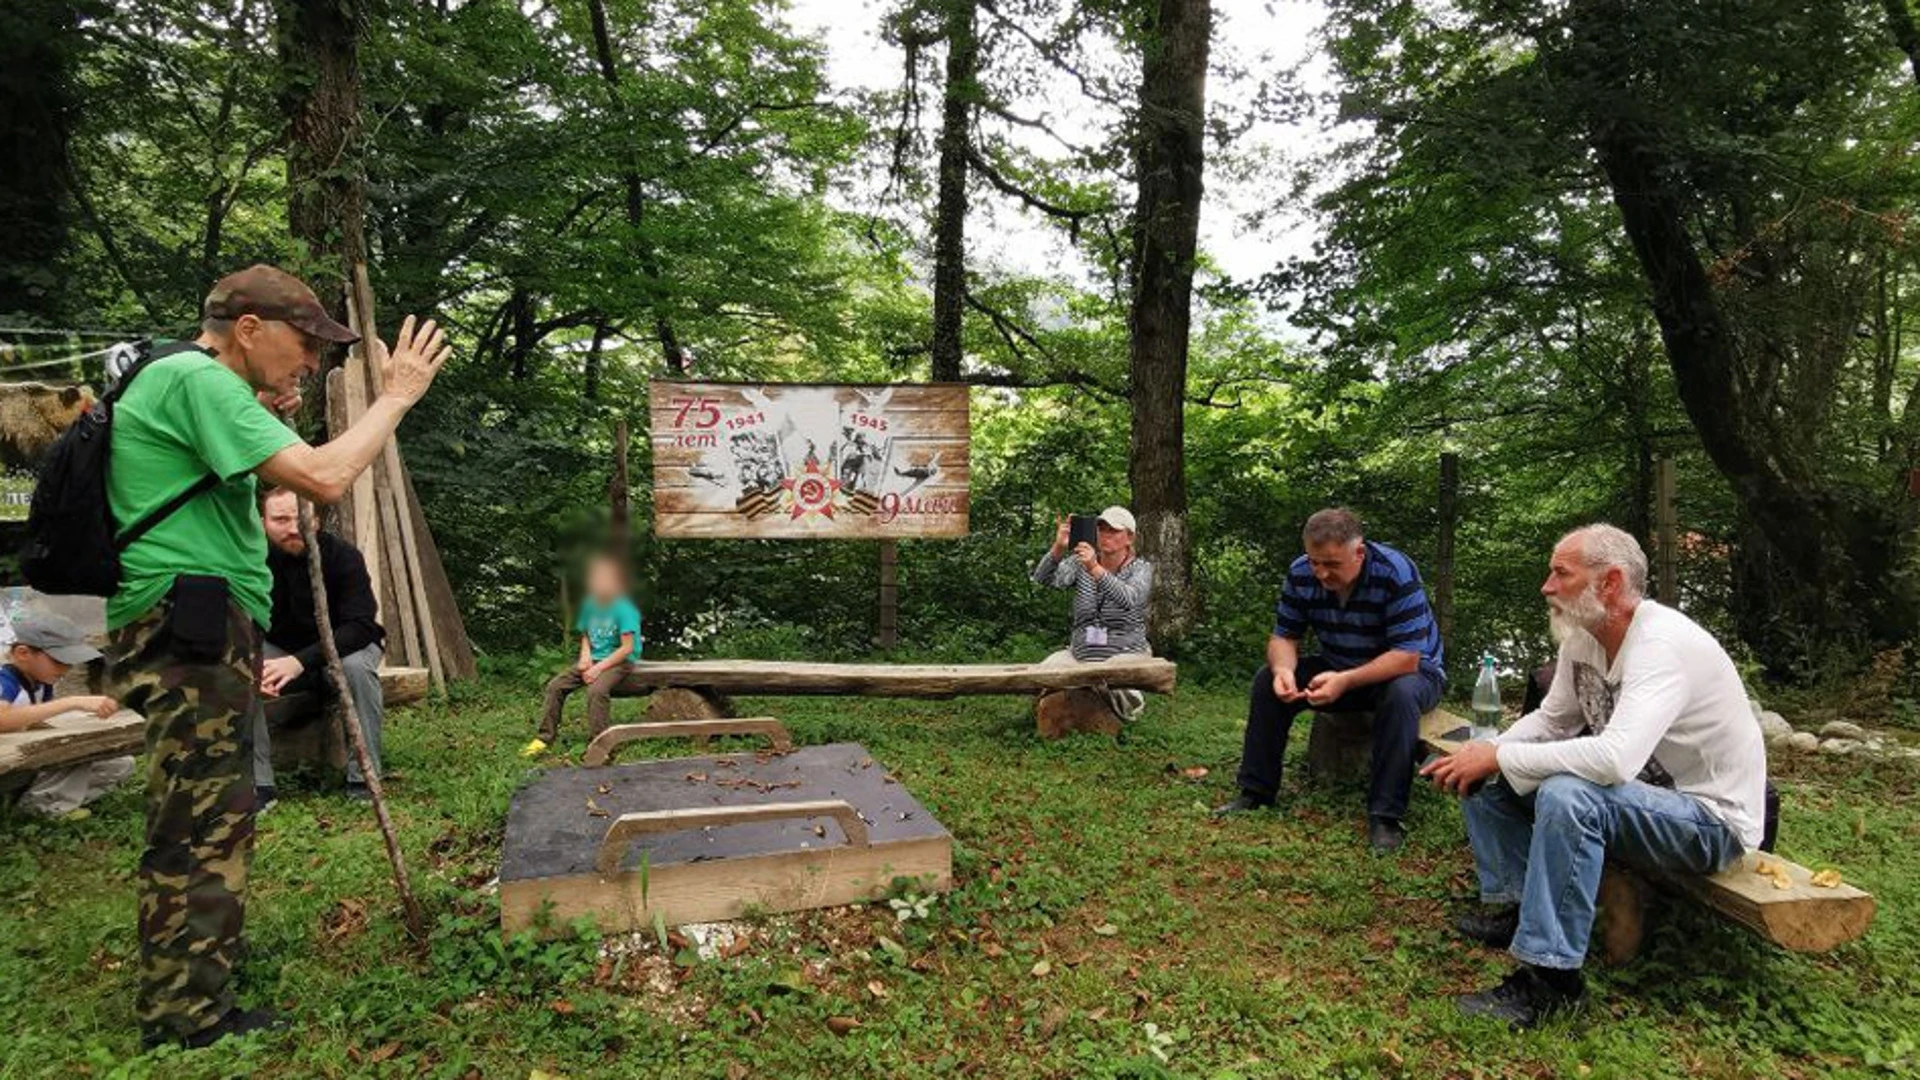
(1263,947)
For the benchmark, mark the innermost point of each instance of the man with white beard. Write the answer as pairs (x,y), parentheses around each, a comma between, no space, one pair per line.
(1645,750)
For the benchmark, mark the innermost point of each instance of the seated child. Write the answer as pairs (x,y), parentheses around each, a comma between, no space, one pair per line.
(609,626)
(44,647)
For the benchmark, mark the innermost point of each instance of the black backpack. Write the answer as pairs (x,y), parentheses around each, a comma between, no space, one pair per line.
(73,543)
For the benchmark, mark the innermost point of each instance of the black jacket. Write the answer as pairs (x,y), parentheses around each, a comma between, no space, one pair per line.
(349,601)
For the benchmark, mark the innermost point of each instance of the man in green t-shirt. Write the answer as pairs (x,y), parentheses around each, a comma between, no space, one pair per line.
(194,595)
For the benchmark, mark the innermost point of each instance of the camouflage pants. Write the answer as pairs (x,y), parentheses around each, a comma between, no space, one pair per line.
(199,841)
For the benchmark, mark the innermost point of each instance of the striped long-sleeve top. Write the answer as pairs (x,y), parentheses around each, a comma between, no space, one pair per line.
(1116,602)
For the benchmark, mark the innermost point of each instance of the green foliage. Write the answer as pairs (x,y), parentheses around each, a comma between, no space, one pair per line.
(1272,945)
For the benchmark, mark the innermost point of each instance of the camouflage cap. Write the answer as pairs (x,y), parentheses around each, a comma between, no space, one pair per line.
(271,293)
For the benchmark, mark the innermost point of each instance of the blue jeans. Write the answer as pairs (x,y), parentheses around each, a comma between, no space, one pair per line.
(1545,851)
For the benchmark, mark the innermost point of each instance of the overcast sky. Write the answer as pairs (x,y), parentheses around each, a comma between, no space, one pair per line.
(1261,35)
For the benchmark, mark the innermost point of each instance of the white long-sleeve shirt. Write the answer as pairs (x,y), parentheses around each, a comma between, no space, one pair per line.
(1669,709)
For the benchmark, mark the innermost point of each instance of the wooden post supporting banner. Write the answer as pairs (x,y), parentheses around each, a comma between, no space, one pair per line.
(1449,505)
(1666,527)
(337,674)
(889,594)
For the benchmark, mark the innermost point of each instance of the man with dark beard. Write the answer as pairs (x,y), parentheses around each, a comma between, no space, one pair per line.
(1644,750)
(292,656)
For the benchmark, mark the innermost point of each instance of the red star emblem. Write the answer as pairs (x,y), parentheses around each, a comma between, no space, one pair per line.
(812,491)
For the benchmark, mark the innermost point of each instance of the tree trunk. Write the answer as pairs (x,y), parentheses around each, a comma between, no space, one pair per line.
(950,216)
(618,501)
(671,351)
(1905,34)
(590,388)
(326,174)
(1814,573)
(39,43)
(1170,158)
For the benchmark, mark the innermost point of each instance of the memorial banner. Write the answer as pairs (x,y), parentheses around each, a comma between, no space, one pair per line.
(808,461)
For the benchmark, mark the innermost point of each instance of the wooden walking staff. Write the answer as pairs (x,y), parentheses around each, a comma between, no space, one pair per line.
(350,719)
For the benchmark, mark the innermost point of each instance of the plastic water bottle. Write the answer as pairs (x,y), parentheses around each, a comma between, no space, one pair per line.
(1486,699)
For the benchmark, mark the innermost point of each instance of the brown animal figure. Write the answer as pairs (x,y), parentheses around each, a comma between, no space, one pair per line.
(32,416)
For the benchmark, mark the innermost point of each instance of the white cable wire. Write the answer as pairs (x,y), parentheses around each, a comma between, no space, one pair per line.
(65,360)
(119,356)
(56,331)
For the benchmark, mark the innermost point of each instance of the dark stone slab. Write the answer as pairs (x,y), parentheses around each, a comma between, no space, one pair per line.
(552,832)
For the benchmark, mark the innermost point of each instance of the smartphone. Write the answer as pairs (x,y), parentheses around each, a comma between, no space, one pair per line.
(1083,529)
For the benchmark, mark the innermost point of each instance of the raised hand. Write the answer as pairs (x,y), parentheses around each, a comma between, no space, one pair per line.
(416,357)
(1061,534)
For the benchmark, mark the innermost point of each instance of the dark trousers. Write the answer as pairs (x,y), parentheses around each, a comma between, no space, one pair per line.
(1396,705)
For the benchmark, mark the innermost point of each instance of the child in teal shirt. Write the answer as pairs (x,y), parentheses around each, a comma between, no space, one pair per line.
(609,626)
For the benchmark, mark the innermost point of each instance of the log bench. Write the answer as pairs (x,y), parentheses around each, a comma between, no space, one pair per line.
(1340,746)
(66,740)
(76,738)
(299,736)
(701,689)
(1802,917)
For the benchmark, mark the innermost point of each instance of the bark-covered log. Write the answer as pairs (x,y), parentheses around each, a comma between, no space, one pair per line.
(950,214)
(319,46)
(1819,554)
(1169,160)
(39,43)
(1070,712)
(894,680)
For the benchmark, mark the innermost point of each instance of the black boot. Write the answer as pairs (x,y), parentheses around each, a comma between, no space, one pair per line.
(1490,924)
(1245,802)
(236,1022)
(1528,997)
(1385,835)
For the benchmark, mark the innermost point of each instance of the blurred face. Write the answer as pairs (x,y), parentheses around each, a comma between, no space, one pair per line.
(1113,541)
(1573,591)
(605,581)
(37,665)
(280,517)
(1336,565)
(276,355)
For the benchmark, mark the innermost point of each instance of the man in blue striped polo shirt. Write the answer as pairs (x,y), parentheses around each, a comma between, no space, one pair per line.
(1379,653)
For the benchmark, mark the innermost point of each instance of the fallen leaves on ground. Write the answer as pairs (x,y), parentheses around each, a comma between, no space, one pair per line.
(841,1025)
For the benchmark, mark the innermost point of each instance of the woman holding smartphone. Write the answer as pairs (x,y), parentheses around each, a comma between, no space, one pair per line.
(1110,588)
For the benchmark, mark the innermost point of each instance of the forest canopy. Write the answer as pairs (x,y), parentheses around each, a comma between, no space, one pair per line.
(1560,241)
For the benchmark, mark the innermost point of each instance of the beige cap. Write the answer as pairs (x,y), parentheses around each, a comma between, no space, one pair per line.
(1118,517)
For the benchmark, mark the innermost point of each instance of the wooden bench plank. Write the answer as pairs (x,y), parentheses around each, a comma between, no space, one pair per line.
(1803,917)
(70,739)
(77,737)
(1150,674)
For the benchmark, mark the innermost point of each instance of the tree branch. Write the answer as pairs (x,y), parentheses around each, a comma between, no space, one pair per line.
(1007,187)
(1021,342)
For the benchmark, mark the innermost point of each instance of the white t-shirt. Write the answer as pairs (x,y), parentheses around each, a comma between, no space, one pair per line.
(1669,710)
